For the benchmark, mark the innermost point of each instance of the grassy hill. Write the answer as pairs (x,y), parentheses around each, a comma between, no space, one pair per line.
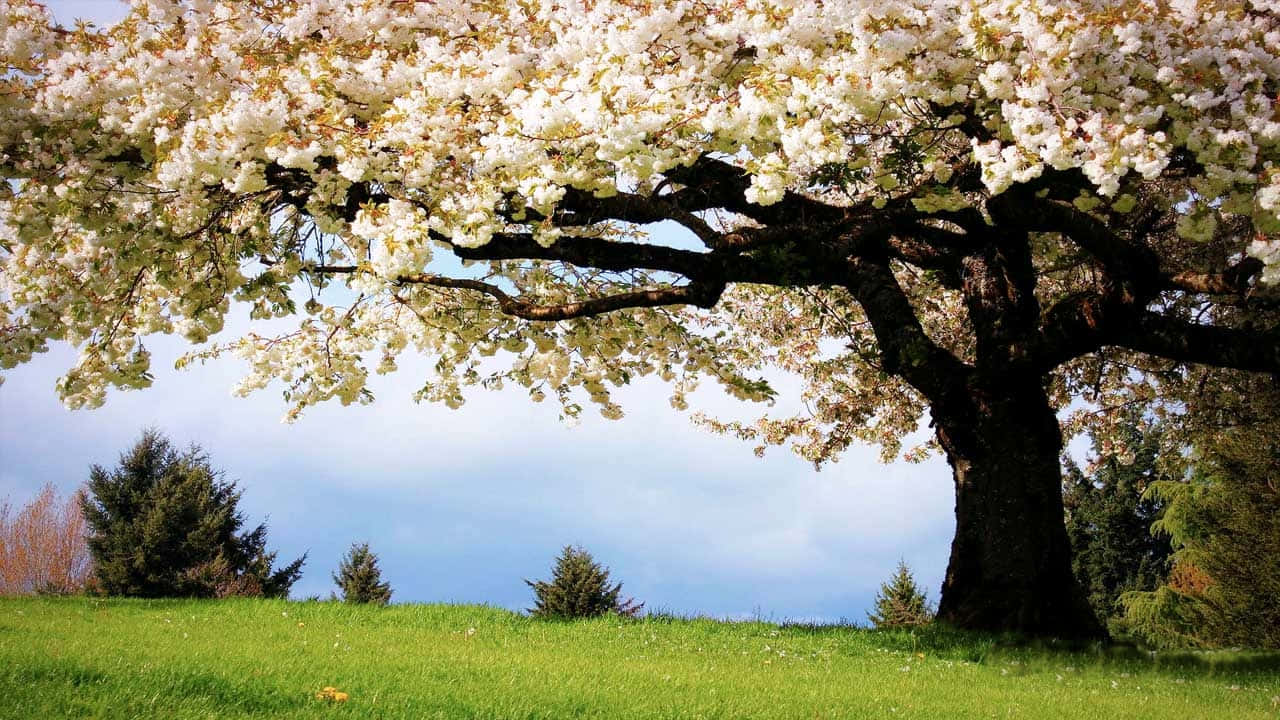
(76,657)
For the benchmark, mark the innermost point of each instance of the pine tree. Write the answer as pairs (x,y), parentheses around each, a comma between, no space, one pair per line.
(579,588)
(359,578)
(1109,518)
(900,602)
(164,523)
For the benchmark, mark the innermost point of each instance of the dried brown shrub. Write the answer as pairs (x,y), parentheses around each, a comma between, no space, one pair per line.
(42,546)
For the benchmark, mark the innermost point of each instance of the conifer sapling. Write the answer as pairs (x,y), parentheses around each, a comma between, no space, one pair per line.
(359,578)
(900,602)
(579,588)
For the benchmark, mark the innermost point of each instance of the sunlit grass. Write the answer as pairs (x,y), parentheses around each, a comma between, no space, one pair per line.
(78,657)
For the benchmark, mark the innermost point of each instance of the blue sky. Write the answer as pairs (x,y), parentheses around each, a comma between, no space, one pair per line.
(461,505)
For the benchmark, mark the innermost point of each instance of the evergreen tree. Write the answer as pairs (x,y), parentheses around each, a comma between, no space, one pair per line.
(900,602)
(164,523)
(579,588)
(1109,519)
(359,578)
(1225,524)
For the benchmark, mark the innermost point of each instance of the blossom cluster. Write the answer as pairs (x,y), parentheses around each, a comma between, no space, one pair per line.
(202,151)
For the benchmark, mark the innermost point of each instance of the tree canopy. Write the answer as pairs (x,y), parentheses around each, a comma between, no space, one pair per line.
(1224,588)
(979,210)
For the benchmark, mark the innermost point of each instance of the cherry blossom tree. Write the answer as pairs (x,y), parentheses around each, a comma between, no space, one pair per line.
(1004,216)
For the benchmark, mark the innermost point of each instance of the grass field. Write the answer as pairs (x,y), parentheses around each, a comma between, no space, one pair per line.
(76,657)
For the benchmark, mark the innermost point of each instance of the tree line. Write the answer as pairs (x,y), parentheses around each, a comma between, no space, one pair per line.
(1172,560)
(165,523)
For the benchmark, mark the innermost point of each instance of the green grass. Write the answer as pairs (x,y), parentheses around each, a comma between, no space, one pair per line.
(75,657)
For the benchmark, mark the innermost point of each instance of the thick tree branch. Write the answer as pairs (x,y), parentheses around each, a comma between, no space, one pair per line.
(931,248)
(1087,322)
(1132,268)
(726,264)
(905,348)
(700,295)
(1077,325)
(598,253)
(1156,334)
(712,183)
(1232,281)
(999,291)
(583,208)
(704,295)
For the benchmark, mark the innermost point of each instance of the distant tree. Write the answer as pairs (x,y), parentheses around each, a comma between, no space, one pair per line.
(359,578)
(900,602)
(1109,519)
(164,523)
(42,547)
(579,588)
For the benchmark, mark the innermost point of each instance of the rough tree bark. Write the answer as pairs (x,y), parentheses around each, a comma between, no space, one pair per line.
(1010,565)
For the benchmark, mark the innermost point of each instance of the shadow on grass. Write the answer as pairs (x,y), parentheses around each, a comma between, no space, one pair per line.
(1225,661)
(979,647)
(57,672)
(165,687)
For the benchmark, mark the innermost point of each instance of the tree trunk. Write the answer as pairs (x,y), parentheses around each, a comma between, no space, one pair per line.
(1010,567)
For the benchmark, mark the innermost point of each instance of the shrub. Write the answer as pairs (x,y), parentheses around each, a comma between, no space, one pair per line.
(359,578)
(42,547)
(165,524)
(900,602)
(579,588)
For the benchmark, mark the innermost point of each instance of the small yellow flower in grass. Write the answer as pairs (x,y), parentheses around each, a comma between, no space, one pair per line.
(301,624)
(332,694)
